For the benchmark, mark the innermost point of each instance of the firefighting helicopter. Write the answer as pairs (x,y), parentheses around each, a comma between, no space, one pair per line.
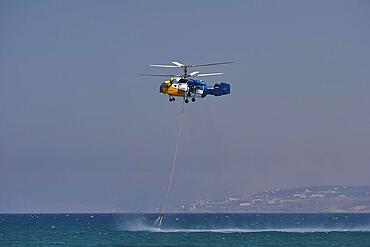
(185,86)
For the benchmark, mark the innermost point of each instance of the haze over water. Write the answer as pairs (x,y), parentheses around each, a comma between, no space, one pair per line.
(80,131)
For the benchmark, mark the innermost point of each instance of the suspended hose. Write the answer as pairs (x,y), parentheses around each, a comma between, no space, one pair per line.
(159,220)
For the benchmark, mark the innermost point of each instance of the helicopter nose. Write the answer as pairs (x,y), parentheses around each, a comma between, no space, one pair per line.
(161,88)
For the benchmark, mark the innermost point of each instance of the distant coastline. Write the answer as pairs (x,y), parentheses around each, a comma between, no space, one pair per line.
(311,199)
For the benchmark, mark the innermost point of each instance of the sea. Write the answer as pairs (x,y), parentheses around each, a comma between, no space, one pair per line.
(194,229)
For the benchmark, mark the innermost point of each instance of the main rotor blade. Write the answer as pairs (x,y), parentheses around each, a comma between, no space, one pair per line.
(179,64)
(209,64)
(193,73)
(209,74)
(164,66)
(161,75)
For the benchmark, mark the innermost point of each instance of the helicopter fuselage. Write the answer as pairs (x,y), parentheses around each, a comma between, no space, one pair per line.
(191,88)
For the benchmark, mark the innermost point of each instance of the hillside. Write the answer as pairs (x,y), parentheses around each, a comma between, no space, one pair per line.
(320,199)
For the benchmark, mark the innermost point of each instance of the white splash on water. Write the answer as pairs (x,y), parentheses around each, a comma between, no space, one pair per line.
(146,224)
(245,230)
(242,230)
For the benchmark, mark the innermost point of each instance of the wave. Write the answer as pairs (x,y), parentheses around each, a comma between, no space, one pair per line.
(291,230)
(297,223)
(243,230)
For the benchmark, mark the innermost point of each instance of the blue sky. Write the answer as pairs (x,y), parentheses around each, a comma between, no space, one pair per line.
(80,131)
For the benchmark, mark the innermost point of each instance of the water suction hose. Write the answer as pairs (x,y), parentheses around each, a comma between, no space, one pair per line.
(158,221)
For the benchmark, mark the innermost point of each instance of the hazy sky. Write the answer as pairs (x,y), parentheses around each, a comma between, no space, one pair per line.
(80,131)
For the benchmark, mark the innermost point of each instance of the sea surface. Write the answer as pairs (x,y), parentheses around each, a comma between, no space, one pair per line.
(185,230)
